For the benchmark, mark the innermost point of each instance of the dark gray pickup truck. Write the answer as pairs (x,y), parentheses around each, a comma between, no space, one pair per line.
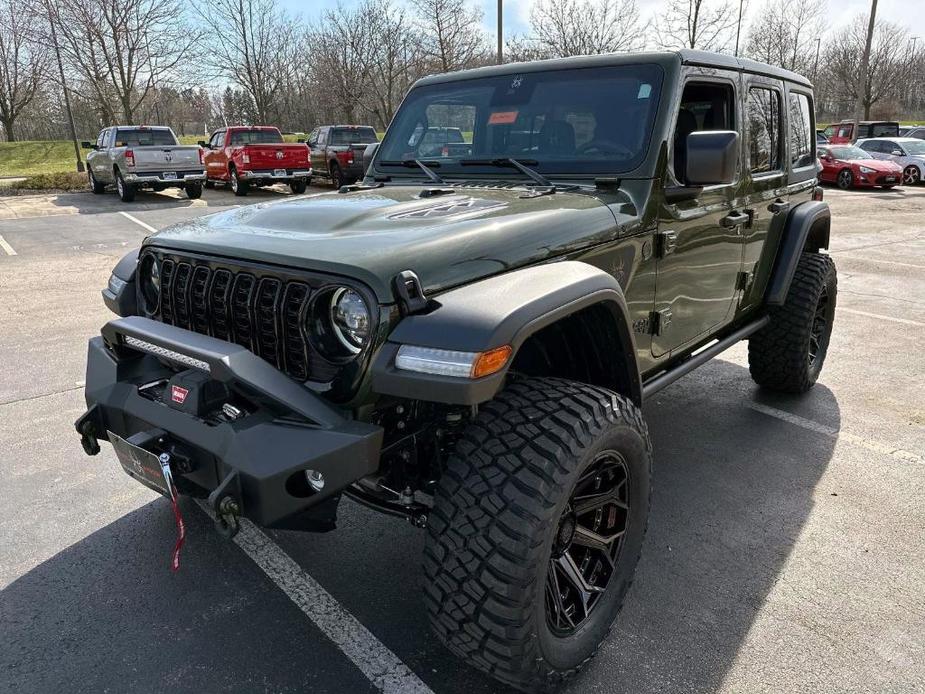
(337,151)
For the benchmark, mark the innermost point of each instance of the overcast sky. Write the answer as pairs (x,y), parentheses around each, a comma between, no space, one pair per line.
(908,13)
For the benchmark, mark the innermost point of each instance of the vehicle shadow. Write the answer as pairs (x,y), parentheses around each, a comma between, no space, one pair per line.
(732,490)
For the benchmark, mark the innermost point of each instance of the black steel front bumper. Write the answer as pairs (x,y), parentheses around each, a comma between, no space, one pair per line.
(257,459)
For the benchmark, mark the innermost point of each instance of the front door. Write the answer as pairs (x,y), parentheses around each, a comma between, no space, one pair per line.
(699,242)
(214,158)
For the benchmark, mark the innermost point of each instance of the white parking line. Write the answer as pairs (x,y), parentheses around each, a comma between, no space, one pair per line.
(904,321)
(869,444)
(7,248)
(381,667)
(138,222)
(879,260)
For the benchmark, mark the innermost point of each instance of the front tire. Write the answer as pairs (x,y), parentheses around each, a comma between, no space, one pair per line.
(126,190)
(95,185)
(845,179)
(536,530)
(787,354)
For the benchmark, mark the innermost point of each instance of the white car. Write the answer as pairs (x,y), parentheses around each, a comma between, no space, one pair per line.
(908,152)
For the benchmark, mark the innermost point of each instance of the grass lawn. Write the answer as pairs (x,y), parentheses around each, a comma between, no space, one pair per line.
(30,158)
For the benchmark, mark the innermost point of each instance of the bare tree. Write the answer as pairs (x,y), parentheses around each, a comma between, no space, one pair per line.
(250,43)
(450,34)
(122,50)
(23,63)
(844,82)
(580,27)
(785,33)
(708,25)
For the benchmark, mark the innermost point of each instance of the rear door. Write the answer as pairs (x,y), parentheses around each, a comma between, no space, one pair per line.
(699,242)
(767,179)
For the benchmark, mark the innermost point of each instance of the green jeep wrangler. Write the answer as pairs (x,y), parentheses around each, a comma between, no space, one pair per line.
(467,336)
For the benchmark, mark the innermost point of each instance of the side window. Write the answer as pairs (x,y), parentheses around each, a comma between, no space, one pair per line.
(829,131)
(845,131)
(889,147)
(101,139)
(312,138)
(704,106)
(763,110)
(801,128)
(322,137)
(220,139)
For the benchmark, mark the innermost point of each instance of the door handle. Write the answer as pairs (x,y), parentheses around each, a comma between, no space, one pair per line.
(778,206)
(734,219)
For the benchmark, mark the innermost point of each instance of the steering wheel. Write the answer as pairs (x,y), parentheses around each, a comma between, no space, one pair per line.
(606,146)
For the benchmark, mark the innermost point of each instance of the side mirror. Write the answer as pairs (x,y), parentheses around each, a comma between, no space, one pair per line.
(368,155)
(712,157)
(87,145)
(897,153)
(204,144)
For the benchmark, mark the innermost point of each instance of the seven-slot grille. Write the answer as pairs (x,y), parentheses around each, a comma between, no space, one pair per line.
(263,313)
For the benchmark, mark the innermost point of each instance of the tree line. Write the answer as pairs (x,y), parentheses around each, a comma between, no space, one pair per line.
(198,65)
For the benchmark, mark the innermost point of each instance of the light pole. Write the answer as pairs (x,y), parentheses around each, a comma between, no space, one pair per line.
(816,61)
(500,32)
(739,28)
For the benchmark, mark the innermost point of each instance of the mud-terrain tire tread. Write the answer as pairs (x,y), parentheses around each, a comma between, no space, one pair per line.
(778,354)
(491,519)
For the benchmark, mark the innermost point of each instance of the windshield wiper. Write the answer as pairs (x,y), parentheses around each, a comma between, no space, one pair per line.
(421,165)
(508,162)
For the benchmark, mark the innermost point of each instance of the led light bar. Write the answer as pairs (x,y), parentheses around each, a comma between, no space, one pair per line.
(165,353)
(439,362)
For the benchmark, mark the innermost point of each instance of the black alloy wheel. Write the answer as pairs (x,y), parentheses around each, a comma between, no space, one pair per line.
(845,179)
(588,543)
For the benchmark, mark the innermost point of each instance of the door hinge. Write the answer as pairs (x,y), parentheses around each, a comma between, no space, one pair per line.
(660,321)
(665,243)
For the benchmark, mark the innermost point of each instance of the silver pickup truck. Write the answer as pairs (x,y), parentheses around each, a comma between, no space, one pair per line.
(140,156)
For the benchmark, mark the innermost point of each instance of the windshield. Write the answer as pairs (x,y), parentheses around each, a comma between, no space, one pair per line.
(917,147)
(582,121)
(142,137)
(353,136)
(256,137)
(849,153)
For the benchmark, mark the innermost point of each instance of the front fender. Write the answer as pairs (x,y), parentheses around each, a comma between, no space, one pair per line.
(501,310)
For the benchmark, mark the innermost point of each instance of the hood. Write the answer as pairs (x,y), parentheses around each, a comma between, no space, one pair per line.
(372,235)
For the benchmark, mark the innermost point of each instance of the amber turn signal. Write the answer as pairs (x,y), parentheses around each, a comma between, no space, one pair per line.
(491,361)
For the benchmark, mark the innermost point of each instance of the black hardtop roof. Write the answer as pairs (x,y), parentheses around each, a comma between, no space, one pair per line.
(664,58)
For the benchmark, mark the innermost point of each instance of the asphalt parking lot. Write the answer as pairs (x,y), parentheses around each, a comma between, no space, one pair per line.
(786,546)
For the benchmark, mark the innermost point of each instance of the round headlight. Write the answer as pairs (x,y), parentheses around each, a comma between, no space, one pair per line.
(349,319)
(149,277)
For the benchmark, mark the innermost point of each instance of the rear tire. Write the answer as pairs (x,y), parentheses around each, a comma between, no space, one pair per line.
(238,186)
(193,190)
(506,533)
(95,185)
(337,176)
(126,190)
(788,353)
(298,187)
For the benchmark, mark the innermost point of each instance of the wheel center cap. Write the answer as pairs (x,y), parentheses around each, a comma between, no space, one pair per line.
(565,533)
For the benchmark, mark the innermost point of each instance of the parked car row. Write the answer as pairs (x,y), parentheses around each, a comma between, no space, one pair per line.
(873,162)
(134,157)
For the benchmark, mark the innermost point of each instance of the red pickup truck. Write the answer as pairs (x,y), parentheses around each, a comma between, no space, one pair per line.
(243,156)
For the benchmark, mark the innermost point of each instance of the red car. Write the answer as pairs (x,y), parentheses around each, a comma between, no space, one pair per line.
(245,156)
(848,166)
(843,133)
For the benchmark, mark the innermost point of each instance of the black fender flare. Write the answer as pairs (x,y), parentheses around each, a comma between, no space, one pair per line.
(121,300)
(806,228)
(501,310)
